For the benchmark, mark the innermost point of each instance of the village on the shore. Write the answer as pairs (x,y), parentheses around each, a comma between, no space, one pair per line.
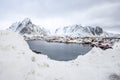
(102,42)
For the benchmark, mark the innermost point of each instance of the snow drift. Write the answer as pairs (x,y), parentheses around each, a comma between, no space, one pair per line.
(18,62)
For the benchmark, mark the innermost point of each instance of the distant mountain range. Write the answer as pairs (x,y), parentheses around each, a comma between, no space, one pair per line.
(27,27)
(80,31)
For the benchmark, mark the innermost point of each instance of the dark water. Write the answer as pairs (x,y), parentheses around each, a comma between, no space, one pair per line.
(59,51)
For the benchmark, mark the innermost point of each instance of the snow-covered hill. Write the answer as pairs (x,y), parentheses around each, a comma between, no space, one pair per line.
(80,31)
(27,27)
(18,62)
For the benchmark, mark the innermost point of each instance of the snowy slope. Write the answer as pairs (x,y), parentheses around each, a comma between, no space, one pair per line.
(80,31)
(27,27)
(18,62)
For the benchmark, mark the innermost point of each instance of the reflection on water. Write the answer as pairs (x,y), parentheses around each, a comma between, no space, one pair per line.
(59,51)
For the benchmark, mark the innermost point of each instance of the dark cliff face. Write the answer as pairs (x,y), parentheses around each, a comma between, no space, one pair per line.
(95,31)
(98,30)
(27,30)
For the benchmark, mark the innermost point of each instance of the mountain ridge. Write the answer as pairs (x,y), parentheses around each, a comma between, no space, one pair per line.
(27,27)
(83,31)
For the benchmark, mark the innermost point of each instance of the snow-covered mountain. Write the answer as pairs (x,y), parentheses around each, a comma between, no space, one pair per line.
(80,31)
(27,27)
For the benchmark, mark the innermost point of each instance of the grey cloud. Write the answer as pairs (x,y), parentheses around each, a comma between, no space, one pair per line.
(71,11)
(47,8)
(115,29)
(110,11)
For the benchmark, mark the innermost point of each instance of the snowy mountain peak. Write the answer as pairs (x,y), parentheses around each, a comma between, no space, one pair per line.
(27,27)
(26,21)
(79,31)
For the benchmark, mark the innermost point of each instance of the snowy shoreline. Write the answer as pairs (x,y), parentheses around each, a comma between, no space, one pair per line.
(78,40)
(18,62)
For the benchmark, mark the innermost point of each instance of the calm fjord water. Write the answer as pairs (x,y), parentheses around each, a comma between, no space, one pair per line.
(59,51)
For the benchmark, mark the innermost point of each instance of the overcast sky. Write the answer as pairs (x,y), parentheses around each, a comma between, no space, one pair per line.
(59,13)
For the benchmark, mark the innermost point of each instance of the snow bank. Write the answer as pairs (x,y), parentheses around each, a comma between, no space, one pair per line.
(15,55)
(18,62)
(101,63)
